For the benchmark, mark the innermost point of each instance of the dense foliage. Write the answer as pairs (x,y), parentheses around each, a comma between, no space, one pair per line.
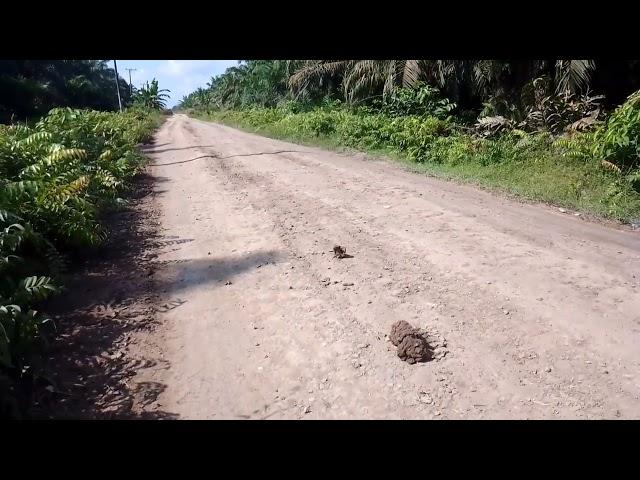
(503,86)
(55,180)
(30,88)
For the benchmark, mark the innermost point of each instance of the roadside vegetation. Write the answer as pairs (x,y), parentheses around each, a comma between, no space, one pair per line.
(535,129)
(58,177)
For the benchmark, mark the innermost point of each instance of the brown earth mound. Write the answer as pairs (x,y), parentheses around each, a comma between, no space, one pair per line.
(412,346)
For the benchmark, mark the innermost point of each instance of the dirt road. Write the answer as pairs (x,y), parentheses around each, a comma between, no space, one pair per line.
(535,313)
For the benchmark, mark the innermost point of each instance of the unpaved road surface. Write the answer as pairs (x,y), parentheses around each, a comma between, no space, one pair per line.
(533,313)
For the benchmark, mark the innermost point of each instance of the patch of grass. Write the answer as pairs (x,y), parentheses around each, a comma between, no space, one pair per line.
(529,166)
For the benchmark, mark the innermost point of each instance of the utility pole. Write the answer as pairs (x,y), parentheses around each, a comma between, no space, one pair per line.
(130,84)
(115,67)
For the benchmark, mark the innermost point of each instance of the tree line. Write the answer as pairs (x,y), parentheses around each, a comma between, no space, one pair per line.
(476,86)
(29,89)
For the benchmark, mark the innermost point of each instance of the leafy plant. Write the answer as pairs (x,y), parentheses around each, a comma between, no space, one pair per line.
(422,100)
(151,96)
(619,140)
(492,126)
(55,180)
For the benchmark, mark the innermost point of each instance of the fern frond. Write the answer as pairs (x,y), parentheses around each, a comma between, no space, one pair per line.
(13,190)
(106,155)
(35,288)
(36,138)
(62,193)
(610,166)
(65,154)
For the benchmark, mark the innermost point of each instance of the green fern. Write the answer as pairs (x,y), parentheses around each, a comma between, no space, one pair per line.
(54,181)
(35,139)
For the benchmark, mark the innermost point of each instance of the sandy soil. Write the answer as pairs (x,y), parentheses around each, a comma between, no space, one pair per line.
(533,313)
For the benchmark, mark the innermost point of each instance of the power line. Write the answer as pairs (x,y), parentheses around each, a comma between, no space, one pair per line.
(130,85)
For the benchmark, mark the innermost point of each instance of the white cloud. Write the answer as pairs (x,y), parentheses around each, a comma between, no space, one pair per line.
(172,67)
(179,68)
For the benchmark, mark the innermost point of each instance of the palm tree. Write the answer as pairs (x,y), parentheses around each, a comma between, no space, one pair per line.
(151,96)
(478,77)
(358,77)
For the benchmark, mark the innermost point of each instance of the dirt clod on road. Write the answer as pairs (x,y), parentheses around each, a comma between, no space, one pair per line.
(411,343)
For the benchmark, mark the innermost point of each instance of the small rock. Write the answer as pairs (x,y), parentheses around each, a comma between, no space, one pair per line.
(424,397)
(562,210)
(347,284)
(437,413)
(577,214)
(307,409)
(548,369)
(228,282)
(506,312)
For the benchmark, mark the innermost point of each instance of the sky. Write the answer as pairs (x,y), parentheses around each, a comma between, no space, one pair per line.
(180,76)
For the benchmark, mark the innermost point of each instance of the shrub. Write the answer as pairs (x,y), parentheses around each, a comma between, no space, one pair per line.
(619,140)
(55,180)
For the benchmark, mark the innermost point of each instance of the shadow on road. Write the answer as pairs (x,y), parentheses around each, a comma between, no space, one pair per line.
(107,321)
(109,308)
(178,276)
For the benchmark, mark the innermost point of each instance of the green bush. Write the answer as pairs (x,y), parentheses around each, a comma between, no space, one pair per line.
(619,140)
(422,100)
(55,180)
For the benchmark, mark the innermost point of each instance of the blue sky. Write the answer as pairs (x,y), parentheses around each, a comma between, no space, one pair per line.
(180,76)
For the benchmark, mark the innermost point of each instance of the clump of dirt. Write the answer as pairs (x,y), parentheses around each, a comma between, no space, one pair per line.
(399,330)
(411,343)
(339,252)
